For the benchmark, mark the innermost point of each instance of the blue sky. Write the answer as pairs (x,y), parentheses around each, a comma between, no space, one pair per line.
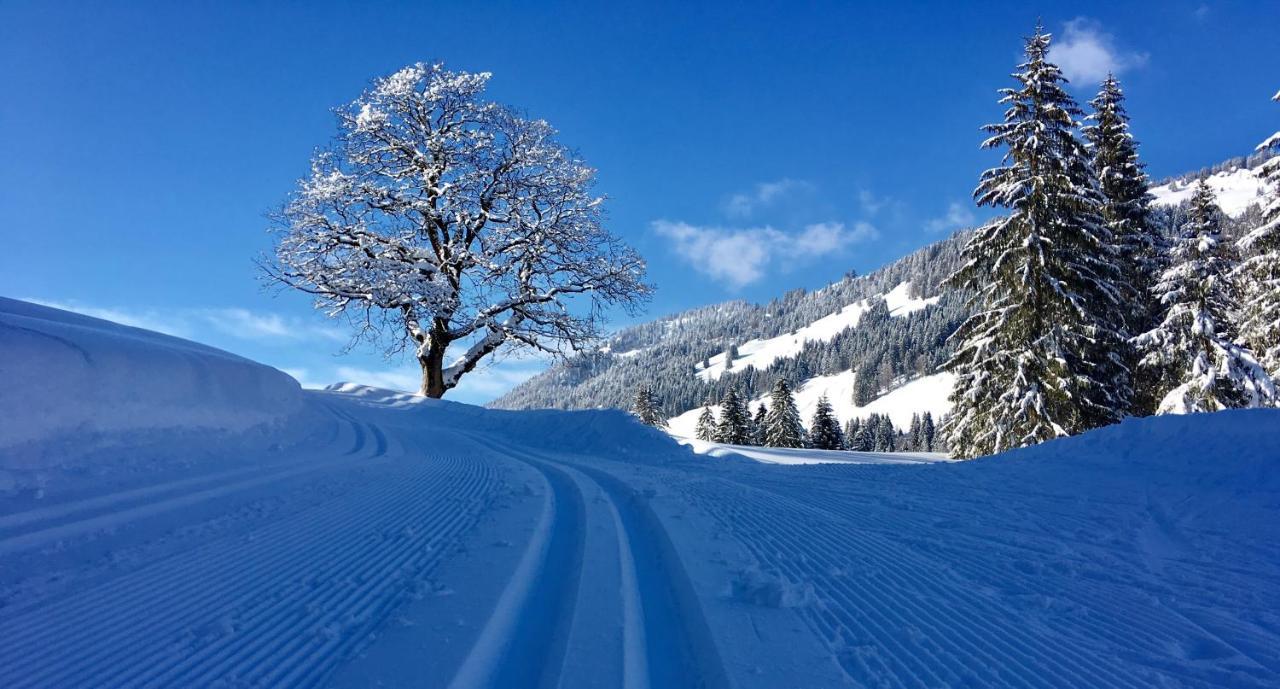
(141,144)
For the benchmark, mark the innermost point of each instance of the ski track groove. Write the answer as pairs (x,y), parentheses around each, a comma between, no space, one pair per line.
(850,603)
(525,638)
(1146,632)
(175,603)
(75,507)
(677,645)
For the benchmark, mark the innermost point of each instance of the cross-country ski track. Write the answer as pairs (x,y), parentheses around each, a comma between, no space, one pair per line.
(359,538)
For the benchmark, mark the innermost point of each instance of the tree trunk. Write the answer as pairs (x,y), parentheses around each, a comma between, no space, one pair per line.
(432,364)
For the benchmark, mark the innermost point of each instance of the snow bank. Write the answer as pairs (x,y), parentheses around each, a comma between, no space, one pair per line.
(66,376)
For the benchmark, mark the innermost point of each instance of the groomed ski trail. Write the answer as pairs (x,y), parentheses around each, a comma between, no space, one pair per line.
(278,604)
(664,640)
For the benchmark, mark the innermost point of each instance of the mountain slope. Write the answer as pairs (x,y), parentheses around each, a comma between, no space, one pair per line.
(854,341)
(892,323)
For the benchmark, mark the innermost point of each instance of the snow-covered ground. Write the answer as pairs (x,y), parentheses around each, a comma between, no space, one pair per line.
(361,538)
(1236,190)
(785,455)
(761,353)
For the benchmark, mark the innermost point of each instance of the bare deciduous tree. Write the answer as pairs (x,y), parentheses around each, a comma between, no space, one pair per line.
(438,217)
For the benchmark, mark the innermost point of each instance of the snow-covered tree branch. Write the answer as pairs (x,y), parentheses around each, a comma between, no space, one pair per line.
(438,217)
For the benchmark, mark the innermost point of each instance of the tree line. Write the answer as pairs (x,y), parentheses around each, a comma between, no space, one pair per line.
(1083,311)
(778,424)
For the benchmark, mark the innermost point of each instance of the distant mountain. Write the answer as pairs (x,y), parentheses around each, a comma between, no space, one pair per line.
(871,344)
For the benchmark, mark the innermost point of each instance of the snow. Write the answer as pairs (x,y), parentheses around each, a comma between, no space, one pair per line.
(371,538)
(1236,190)
(761,353)
(925,394)
(784,455)
(72,377)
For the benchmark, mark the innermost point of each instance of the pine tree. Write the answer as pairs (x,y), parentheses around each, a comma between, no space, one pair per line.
(1192,357)
(758,426)
(852,434)
(865,386)
(1040,356)
(782,422)
(927,431)
(824,431)
(646,408)
(1259,274)
(733,427)
(915,434)
(706,429)
(1126,204)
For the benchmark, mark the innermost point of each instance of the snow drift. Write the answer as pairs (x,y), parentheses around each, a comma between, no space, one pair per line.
(69,377)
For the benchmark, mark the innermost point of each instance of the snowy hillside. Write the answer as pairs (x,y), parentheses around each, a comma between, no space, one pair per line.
(1236,189)
(925,394)
(374,539)
(760,354)
(891,326)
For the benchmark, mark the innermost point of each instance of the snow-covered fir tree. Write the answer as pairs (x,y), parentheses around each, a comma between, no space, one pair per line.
(1259,272)
(646,408)
(706,428)
(440,220)
(758,425)
(735,422)
(853,435)
(782,426)
(884,435)
(1040,357)
(927,432)
(1191,357)
(1126,204)
(824,430)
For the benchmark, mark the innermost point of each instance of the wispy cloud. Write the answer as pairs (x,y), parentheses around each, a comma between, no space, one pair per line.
(740,256)
(190,322)
(303,376)
(870,203)
(1087,53)
(957,216)
(765,194)
(489,382)
(479,386)
(401,380)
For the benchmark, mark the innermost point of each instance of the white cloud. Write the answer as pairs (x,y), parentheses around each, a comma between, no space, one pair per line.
(266,326)
(190,322)
(1087,54)
(765,194)
(477,387)
(740,256)
(958,215)
(145,319)
(303,376)
(484,384)
(870,203)
(402,380)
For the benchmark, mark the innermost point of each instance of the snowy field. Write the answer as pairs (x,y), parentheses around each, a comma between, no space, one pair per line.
(173,516)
